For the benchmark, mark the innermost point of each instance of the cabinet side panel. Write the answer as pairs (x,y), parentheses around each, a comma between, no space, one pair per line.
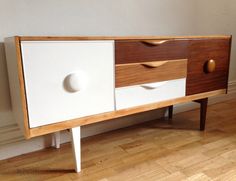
(12,48)
(229,59)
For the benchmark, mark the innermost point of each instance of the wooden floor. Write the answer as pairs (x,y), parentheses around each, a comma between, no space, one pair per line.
(150,151)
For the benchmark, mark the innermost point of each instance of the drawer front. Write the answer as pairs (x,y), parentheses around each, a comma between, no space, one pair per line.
(63,81)
(147,72)
(138,95)
(200,52)
(149,50)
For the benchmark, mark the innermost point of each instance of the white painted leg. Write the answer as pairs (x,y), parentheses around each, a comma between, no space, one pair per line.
(57,139)
(75,133)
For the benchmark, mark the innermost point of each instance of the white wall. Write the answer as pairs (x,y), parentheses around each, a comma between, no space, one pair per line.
(105,17)
(92,17)
(218,17)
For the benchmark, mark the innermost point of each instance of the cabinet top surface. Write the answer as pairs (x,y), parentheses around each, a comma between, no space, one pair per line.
(45,38)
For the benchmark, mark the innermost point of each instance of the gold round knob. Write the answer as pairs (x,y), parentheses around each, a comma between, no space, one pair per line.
(210,66)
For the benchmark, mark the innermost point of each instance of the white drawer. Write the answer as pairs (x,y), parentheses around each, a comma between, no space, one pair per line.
(137,95)
(51,97)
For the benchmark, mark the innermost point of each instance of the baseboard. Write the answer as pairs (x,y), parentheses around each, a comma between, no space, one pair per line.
(21,146)
(232,87)
(10,134)
(11,138)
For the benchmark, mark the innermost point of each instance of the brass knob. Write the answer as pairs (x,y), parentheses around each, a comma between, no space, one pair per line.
(210,66)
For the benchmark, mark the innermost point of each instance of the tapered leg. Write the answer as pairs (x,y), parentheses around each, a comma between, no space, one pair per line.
(203,112)
(57,139)
(75,133)
(170,112)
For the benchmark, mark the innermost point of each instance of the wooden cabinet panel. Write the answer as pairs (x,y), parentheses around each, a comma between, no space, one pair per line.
(140,51)
(147,72)
(200,52)
(197,50)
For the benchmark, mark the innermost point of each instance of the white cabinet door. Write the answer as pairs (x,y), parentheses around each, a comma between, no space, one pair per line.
(67,79)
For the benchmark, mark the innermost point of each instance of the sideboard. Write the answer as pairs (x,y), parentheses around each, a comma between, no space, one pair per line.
(60,83)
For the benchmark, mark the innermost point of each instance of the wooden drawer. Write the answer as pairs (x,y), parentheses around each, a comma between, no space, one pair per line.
(147,72)
(200,52)
(131,96)
(134,51)
(62,82)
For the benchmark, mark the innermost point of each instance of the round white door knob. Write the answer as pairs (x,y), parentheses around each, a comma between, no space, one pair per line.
(75,82)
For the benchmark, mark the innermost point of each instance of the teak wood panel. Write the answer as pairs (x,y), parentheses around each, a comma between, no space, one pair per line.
(67,38)
(140,51)
(200,51)
(147,72)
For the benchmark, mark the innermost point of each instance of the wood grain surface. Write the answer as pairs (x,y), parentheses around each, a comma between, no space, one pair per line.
(155,150)
(140,73)
(138,51)
(72,38)
(200,52)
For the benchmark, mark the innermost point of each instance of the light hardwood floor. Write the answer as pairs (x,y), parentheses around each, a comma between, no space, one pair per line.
(149,151)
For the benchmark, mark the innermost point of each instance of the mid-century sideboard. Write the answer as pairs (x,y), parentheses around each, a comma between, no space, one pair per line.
(60,83)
